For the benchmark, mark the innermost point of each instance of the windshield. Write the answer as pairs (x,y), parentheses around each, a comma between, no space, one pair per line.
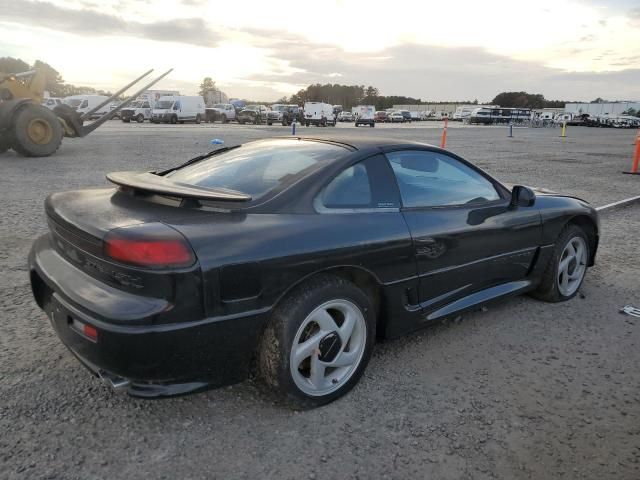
(135,104)
(258,168)
(164,104)
(219,105)
(278,108)
(73,102)
(252,107)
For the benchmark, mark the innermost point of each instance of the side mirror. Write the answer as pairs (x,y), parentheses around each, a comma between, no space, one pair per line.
(522,196)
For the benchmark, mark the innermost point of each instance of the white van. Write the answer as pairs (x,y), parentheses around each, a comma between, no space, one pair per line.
(318,113)
(179,108)
(365,115)
(83,103)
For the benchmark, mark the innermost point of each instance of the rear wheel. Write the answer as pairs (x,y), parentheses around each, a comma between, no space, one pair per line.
(198,118)
(567,267)
(36,132)
(318,341)
(224,119)
(174,119)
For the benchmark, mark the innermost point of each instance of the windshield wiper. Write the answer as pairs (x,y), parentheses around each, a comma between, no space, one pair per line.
(196,160)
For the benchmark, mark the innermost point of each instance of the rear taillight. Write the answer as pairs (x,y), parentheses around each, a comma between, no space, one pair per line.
(152,245)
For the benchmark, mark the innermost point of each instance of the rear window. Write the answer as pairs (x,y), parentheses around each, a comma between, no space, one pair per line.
(259,168)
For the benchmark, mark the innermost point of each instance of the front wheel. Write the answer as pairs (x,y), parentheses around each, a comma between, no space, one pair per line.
(140,118)
(174,119)
(567,266)
(318,341)
(198,119)
(36,131)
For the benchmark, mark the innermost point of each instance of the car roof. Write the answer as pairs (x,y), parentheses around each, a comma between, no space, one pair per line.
(363,143)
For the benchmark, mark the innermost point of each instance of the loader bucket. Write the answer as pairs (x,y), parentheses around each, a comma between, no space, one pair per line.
(73,122)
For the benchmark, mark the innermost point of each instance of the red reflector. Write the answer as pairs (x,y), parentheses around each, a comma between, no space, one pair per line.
(149,252)
(90,332)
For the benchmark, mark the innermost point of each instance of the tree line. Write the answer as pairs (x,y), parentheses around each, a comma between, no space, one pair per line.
(351,95)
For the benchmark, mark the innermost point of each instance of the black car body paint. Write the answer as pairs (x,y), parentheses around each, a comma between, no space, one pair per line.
(177,330)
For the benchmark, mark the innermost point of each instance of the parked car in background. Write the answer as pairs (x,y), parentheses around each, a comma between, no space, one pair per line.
(253,114)
(52,102)
(406,114)
(179,109)
(396,117)
(346,117)
(319,114)
(283,114)
(139,111)
(113,105)
(293,255)
(364,115)
(380,116)
(222,112)
(85,103)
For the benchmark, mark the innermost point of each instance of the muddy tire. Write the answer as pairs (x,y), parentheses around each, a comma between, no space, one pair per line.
(318,341)
(36,131)
(140,118)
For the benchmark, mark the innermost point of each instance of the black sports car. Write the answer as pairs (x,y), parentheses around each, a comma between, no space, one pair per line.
(293,255)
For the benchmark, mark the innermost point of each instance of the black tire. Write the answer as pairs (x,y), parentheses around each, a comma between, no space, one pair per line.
(126,120)
(48,129)
(372,125)
(224,119)
(198,119)
(277,339)
(307,124)
(548,289)
(269,123)
(241,122)
(181,122)
(174,119)
(5,144)
(140,118)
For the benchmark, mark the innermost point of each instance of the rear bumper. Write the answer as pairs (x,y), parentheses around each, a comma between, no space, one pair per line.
(147,360)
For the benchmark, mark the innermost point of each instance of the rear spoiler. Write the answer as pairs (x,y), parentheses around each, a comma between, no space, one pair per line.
(153,183)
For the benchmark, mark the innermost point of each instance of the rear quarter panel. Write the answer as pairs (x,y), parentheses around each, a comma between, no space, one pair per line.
(250,261)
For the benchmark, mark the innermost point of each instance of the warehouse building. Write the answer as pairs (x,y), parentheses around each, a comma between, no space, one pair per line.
(612,109)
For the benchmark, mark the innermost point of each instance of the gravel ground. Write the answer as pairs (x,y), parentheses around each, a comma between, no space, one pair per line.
(521,390)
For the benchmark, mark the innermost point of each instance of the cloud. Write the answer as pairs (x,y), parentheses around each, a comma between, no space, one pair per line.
(93,23)
(441,73)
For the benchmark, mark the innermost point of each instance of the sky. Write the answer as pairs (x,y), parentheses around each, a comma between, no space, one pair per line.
(264,49)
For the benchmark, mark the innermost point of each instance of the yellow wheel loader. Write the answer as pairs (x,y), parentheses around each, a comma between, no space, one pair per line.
(32,129)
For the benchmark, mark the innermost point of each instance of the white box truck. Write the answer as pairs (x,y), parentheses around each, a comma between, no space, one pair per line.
(83,103)
(365,115)
(319,114)
(179,109)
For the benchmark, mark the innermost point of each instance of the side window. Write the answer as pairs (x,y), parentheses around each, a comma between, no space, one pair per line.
(433,179)
(145,105)
(84,104)
(365,185)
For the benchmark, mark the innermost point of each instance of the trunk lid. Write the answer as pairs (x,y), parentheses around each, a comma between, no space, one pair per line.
(79,220)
